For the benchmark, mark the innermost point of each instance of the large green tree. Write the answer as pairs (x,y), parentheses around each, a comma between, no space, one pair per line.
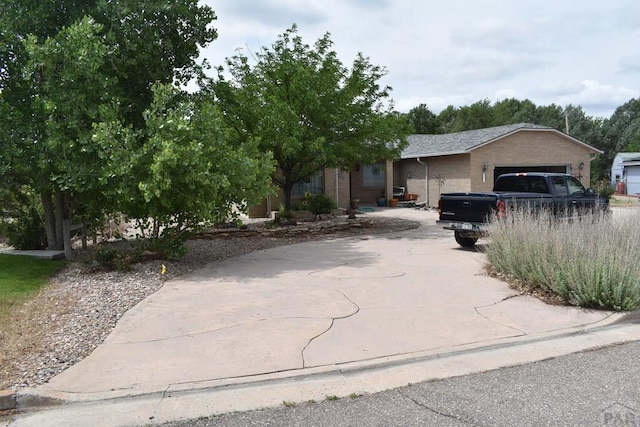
(424,120)
(186,174)
(475,116)
(65,67)
(619,133)
(51,150)
(511,110)
(301,104)
(151,41)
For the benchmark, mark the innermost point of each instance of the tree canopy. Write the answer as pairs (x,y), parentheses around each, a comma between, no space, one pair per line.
(301,104)
(68,68)
(424,121)
(186,174)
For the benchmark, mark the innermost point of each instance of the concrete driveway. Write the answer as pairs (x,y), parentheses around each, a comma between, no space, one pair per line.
(334,317)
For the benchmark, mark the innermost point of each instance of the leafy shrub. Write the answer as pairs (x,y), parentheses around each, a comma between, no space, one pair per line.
(321,204)
(168,246)
(26,230)
(111,259)
(283,214)
(604,188)
(301,205)
(589,261)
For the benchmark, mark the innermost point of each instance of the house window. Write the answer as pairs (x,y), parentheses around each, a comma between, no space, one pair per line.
(373,175)
(313,185)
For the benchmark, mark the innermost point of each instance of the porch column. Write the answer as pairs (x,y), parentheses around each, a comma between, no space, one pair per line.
(389,179)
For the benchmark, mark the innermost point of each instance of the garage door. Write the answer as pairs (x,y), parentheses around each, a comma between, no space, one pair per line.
(499,170)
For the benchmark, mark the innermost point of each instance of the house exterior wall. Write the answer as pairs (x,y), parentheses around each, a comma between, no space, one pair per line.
(367,194)
(412,175)
(529,148)
(268,205)
(448,174)
(464,172)
(432,176)
(341,194)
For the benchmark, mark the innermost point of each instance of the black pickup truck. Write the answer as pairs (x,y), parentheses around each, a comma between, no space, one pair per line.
(467,213)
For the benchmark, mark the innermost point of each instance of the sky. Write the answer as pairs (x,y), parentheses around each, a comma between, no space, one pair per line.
(458,52)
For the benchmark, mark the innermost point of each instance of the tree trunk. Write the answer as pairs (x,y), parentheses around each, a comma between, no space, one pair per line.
(60,215)
(63,206)
(49,220)
(287,189)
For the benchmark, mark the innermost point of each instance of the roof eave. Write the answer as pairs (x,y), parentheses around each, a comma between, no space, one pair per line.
(447,153)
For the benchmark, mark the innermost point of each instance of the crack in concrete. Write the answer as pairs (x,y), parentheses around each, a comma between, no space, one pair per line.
(333,320)
(236,325)
(477,310)
(164,395)
(435,411)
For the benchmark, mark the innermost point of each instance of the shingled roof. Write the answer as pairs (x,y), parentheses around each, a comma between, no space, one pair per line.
(464,142)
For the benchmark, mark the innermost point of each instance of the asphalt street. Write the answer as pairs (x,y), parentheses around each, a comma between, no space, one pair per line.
(592,388)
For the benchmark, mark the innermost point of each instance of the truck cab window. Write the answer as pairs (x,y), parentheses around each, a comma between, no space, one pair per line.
(575,187)
(538,185)
(560,185)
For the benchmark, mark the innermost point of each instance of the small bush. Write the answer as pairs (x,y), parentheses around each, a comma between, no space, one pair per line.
(589,261)
(26,230)
(321,204)
(284,213)
(111,259)
(302,205)
(168,246)
(604,188)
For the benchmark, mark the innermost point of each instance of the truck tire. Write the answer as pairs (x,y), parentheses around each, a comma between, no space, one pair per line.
(466,242)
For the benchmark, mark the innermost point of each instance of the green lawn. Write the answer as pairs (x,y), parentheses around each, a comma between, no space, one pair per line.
(21,277)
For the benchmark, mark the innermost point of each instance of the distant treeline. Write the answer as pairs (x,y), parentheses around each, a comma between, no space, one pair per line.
(619,133)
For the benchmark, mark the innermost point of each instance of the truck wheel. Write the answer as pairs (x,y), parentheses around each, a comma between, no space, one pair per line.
(466,242)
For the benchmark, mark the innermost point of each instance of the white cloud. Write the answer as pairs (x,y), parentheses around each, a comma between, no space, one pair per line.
(600,99)
(572,52)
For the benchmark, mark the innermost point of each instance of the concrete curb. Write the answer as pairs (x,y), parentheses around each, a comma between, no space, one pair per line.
(207,398)
(7,400)
(602,334)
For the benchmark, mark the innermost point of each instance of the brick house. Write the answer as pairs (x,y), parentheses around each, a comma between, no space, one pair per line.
(462,161)
(471,160)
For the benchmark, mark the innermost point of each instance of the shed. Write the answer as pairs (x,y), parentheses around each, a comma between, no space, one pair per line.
(626,169)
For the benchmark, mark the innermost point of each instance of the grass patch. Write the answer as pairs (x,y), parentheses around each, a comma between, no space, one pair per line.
(21,277)
(590,261)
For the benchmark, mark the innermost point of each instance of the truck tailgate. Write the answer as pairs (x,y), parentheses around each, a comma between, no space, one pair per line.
(469,207)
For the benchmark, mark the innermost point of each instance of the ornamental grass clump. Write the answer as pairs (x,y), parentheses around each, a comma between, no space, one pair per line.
(589,261)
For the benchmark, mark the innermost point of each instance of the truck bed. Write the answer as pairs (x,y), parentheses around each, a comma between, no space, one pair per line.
(477,207)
